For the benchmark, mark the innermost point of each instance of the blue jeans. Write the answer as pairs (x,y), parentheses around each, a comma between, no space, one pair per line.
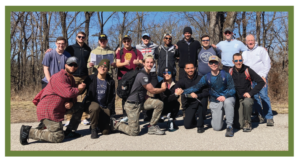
(262,102)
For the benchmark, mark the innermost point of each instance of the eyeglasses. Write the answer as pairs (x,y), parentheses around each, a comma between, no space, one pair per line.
(73,65)
(205,40)
(213,62)
(238,60)
(168,72)
(227,32)
(126,41)
(83,37)
(168,38)
(60,43)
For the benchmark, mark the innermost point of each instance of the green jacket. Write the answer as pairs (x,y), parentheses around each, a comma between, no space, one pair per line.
(104,52)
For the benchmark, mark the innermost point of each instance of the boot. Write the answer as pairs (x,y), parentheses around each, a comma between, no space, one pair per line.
(24,134)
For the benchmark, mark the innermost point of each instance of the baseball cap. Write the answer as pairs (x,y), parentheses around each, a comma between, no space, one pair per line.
(228,29)
(145,34)
(102,36)
(214,58)
(105,62)
(71,60)
(126,36)
(167,34)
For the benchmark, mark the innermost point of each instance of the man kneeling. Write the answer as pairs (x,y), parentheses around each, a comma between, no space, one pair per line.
(100,99)
(137,101)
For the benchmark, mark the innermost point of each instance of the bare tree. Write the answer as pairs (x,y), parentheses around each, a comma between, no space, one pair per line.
(101,20)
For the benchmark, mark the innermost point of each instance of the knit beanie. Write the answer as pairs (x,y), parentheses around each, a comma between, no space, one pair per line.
(187,29)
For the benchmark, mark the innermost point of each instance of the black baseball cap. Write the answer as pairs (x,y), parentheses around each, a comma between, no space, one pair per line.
(102,36)
(126,36)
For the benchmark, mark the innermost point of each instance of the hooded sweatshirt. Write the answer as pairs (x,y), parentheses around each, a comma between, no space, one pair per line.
(166,59)
(258,59)
(147,49)
(101,53)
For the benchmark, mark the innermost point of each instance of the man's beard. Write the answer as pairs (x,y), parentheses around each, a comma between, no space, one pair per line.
(68,71)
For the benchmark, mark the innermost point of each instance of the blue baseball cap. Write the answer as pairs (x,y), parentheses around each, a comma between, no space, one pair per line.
(145,34)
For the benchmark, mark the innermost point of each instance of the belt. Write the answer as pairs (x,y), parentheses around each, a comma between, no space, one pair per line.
(132,102)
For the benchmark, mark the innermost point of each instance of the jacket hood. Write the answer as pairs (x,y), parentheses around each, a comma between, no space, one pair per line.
(255,46)
(84,45)
(100,48)
(192,39)
(150,45)
(108,78)
(169,47)
(242,70)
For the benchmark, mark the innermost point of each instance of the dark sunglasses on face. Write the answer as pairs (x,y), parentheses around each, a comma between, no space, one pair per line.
(168,38)
(83,37)
(126,41)
(205,40)
(168,72)
(146,38)
(227,33)
(213,62)
(238,60)
(73,65)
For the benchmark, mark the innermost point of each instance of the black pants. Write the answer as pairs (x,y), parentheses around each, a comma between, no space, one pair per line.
(181,73)
(226,68)
(191,111)
(169,107)
(77,111)
(44,84)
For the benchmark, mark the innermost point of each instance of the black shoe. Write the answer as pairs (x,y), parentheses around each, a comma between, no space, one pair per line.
(70,134)
(94,133)
(200,129)
(270,122)
(229,132)
(24,134)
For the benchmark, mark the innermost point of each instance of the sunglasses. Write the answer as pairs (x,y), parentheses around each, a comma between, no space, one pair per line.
(126,41)
(83,37)
(168,38)
(213,62)
(146,38)
(73,65)
(238,60)
(227,33)
(169,72)
(205,40)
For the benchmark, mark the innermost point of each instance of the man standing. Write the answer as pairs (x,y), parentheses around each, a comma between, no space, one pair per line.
(257,58)
(222,91)
(60,94)
(229,47)
(100,98)
(137,101)
(187,49)
(198,102)
(243,76)
(127,59)
(54,60)
(101,52)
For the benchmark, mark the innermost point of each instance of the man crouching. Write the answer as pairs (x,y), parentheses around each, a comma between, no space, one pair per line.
(137,101)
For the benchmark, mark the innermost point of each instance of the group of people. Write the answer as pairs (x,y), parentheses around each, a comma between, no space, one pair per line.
(234,83)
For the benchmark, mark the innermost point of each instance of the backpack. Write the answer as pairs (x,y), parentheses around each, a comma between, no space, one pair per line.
(248,77)
(223,75)
(126,83)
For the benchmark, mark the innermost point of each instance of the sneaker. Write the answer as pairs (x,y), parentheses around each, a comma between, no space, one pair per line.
(200,129)
(124,120)
(270,122)
(155,130)
(94,133)
(229,132)
(71,134)
(85,122)
(24,134)
(247,127)
(67,123)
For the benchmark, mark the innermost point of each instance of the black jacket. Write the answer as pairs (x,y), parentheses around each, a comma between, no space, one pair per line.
(187,83)
(166,59)
(188,53)
(167,96)
(83,54)
(242,85)
(91,87)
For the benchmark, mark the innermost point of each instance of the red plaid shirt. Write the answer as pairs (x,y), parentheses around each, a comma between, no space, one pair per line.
(58,91)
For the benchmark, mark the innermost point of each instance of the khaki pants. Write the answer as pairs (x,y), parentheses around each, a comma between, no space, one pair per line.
(100,117)
(80,98)
(133,113)
(242,112)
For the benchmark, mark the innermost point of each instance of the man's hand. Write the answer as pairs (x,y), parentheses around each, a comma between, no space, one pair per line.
(194,95)
(221,98)
(113,65)
(48,50)
(264,81)
(136,61)
(164,85)
(176,47)
(81,86)
(68,105)
(178,91)
(213,45)
(127,62)
(91,64)
(246,95)
(118,50)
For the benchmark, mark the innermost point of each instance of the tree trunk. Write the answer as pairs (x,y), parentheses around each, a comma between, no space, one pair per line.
(244,20)
(258,27)
(63,17)
(212,25)
(88,16)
